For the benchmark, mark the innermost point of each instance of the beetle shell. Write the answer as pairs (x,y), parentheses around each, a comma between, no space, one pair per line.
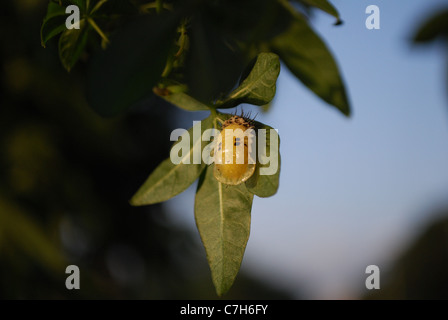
(237,168)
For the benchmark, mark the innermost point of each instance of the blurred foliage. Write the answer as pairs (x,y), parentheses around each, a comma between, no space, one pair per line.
(421,271)
(435,28)
(132,46)
(66,176)
(200,49)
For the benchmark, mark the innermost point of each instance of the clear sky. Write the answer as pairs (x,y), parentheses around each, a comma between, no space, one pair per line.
(352,191)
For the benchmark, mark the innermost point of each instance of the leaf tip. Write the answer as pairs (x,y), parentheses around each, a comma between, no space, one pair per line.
(346,111)
(339,22)
(136,200)
(220,293)
(222,289)
(67,67)
(161,92)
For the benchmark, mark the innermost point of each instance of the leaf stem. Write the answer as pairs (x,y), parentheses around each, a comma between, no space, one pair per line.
(215,116)
(159,6)
(182,38)
(97,29)
(97,6)
(168,67)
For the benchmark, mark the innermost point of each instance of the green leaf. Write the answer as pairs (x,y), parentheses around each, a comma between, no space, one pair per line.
(169,179)
(266,185)
(309,59)
(436,26)
(182,100)
(265,108)
(326,6)
(222,214)
(259,86)
(54,22)
(213,64)
(71,44)
(130,67)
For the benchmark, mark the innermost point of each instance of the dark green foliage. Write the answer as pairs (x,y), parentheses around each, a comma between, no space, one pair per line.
(214,42)
(66,176)
(200,55)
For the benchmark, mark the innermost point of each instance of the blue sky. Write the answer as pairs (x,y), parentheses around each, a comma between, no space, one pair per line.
(353,191)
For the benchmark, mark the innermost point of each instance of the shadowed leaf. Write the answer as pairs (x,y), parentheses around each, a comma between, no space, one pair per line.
(128,69)
(436,26)
(266,185)
(54,22)
(72,43)
(259,86)
(184,101)
(222,214)
(169,179)
(309,59)
(326,6)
